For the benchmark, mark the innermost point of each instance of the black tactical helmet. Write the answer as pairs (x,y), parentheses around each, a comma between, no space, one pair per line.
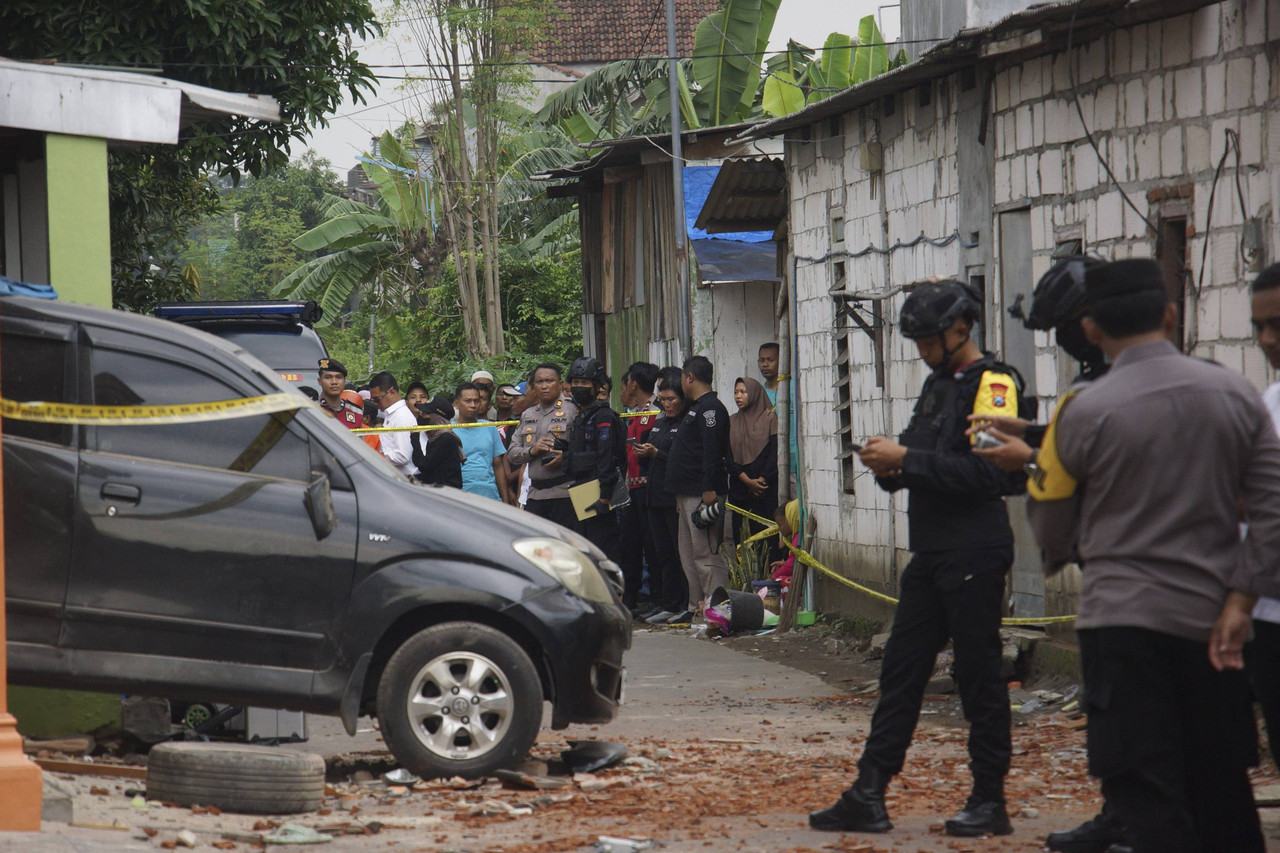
(586,367)
(1059,295)
(934,306)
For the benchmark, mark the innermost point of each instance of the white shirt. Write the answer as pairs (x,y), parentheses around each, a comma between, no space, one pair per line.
(398,446)
(1268,609)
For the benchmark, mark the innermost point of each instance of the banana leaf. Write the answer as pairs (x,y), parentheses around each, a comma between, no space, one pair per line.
(724,60)
(341,227)
(782,95)
(837,57)
(872,58)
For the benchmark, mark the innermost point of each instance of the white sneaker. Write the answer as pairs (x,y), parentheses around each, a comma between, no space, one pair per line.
(659,618)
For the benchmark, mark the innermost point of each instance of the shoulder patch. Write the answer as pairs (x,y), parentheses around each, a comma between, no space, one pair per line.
(710,417)
(1052,481)
(997,395)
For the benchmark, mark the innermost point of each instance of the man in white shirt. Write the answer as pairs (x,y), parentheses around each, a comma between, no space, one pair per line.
(1262,656)
(396,446)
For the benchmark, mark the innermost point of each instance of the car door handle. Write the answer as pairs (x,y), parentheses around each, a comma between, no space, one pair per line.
(121,492)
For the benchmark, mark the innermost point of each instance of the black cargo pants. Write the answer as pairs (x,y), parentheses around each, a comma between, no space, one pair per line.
(1172,739)
(945,595)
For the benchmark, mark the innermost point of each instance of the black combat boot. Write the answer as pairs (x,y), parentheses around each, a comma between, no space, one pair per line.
(859,809)
(1093,836)
(984,813)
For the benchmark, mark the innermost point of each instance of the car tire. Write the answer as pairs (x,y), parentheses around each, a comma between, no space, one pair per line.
(459,699)
(235,777)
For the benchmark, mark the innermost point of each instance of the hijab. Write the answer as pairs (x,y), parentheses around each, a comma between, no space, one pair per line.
(751,426)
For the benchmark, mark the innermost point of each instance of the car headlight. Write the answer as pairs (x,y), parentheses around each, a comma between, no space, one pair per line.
(583,544)
(566,564)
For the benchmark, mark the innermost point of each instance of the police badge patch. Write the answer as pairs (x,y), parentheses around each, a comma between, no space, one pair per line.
(710,417)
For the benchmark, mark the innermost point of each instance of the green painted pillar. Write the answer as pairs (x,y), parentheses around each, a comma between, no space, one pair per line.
(79,219)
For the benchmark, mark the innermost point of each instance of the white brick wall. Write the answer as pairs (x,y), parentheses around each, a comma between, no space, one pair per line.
(1159,99)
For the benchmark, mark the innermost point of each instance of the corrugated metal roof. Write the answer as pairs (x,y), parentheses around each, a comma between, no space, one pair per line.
(626,150)
(969,46)
(749,194)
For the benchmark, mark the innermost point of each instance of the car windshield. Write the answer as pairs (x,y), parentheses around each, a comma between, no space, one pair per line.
(297,350)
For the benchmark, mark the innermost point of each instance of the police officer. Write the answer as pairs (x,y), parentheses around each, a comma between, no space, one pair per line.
(953,587)
(539,442)
(1058,302)
(335,400)
(597,451)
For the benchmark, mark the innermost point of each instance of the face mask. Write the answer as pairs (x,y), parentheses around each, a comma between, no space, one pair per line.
(583,396)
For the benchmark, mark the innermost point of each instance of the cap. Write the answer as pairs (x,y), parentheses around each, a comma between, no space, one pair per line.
(365,395)
(437,405)
(482,374)
(1123,278)
(510,390)
(334,365)
(522,388)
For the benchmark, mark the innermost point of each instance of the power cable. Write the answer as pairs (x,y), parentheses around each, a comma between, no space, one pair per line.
(1075,96)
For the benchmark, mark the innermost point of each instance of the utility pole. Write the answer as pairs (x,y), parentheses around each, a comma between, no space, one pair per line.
(677,188)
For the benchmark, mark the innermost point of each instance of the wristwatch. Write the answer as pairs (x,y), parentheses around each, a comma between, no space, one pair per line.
(1030,468)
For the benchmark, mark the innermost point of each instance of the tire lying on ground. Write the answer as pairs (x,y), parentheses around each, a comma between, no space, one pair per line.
(235,777)
(459,699)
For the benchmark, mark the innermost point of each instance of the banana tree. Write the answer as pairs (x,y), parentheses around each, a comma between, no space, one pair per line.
(378,250)
(796,78)
(728,50)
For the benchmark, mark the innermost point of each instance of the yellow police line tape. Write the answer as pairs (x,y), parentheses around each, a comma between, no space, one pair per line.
(183,413)
(430,427)
(808,559)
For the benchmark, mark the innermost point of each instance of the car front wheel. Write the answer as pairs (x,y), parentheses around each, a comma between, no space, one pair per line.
(459,699)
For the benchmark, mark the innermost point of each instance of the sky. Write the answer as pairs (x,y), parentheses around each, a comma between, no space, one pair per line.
(352,125)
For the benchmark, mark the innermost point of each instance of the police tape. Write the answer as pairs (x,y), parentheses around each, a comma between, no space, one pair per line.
(431,427)
(803,556)
(182,413)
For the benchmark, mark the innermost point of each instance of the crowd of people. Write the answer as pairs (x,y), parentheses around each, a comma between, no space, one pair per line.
(650,492)
(1159,476)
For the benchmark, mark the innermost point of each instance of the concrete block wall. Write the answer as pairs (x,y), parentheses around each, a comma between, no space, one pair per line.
(863,533)
(1159,99)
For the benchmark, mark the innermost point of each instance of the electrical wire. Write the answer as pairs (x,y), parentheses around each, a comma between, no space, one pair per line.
(1075,96)
(1232,143)
(446,65)
(886,250)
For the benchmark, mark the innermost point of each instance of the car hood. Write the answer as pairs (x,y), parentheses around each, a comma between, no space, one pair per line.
(445,520)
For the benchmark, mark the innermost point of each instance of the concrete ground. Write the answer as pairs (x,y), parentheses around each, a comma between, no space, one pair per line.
(729,754)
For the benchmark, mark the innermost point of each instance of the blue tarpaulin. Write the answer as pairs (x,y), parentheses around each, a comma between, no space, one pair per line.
(734,256)
(697,186)
(9,287)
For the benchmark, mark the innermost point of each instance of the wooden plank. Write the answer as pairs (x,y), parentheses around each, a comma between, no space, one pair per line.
(608,226)
(620,174)
(564,191)
(88,768)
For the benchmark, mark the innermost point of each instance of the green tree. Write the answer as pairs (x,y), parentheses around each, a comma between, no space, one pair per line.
(474,43)
(543,322)
(247,248)
(297,52)
(382,252)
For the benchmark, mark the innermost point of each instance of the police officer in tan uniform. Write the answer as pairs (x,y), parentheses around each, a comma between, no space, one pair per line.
(540,441)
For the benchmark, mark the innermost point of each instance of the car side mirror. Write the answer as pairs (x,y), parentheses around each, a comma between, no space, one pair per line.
(320,506)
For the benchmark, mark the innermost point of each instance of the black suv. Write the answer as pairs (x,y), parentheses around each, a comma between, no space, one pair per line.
(278,332)
(277,561)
